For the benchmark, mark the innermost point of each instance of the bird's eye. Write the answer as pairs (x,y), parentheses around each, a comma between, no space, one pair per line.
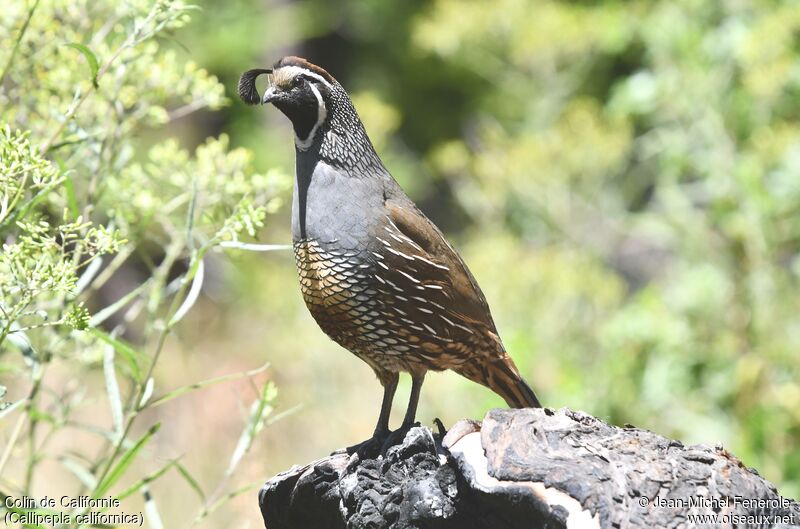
(298,81)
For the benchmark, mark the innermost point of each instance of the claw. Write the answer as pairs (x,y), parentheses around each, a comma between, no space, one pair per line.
(368,449)
(396,437)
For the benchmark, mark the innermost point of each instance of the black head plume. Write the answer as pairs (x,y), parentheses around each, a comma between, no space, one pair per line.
(247,85)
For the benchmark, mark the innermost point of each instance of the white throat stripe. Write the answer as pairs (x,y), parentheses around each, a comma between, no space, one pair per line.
(322,113)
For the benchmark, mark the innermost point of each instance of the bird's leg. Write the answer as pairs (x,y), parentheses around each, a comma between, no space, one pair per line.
(411,413)
(372,446)
(389,387)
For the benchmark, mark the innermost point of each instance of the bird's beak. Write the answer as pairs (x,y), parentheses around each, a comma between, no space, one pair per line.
(269,95)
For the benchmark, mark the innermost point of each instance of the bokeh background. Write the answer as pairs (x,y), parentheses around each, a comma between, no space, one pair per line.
(623,179)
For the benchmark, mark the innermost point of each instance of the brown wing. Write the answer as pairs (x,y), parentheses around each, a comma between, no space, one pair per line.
(419,257)
(468,300)
(443,313)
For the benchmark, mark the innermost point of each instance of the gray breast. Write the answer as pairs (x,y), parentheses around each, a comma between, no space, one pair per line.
(332,207)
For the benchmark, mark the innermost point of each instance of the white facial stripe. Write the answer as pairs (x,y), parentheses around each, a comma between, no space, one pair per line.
(322,113)
(290,72)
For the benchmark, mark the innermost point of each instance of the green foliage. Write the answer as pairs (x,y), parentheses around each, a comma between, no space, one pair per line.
(83,201)
(40,261)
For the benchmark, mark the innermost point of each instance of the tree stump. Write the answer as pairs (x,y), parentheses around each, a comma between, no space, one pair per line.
(530,468)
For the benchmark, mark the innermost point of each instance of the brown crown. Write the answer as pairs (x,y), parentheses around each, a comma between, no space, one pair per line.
(292,60)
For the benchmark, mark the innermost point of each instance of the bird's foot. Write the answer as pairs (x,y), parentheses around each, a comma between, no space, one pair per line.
(378,444)
(396,437)
(368,449)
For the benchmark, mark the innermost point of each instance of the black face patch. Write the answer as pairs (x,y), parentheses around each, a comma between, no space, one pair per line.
(300,105)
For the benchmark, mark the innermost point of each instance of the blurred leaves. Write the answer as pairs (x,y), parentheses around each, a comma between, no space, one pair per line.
(124,462)
(104,235)
(94,66)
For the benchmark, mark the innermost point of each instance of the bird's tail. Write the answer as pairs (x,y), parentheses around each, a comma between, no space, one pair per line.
(501,376)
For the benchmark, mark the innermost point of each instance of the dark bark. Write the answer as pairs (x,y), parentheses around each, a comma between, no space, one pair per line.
(527,469)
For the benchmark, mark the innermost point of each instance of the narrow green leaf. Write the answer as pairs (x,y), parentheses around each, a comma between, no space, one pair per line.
(259,411)
(18,339)
(91,58)
(145,480)
(190,214)
(205,383)
(11,407)
(124,462)
(79,470)
(282,415)
(72,140)
(191,297)
(191,481)
(87,277)
(251,247)
(231,495)
(103,314)
(94,430)
(149,385)
(37,414)
(112,388)
(72,200)
(130,354)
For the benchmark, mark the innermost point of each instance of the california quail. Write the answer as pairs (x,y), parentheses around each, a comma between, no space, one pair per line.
(377,275)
